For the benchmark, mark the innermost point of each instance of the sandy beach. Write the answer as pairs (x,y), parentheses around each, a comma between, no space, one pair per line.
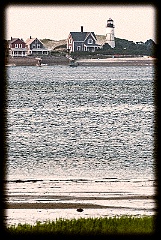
(34,200)
(133,61)
(61,205)
(32,208)
(29,204)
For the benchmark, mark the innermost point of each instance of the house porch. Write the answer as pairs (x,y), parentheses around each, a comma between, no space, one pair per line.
(15,52)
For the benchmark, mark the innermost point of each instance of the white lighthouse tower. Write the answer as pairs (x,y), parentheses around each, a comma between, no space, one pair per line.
(110,37)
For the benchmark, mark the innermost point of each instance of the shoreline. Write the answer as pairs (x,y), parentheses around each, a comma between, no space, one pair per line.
(72,205)
(62,60)
(53,206)
(135,61)
(32,61)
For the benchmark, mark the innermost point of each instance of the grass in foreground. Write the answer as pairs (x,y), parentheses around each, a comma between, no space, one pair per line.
(89,226)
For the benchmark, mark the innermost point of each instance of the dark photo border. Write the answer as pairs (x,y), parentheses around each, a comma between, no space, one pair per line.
(157,126)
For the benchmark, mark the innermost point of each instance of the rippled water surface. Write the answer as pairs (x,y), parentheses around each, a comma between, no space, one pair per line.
(80,123)
(86,121)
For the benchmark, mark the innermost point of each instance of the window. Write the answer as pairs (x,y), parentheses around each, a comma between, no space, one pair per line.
(33,46)
(70,40)
(16,45)
(20,45)
(90,41)
(38,45)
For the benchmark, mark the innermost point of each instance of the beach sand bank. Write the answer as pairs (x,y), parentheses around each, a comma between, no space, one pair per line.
(135,61)
(55,207)
(57,202)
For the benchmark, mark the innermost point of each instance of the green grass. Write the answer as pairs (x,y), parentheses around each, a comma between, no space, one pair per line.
(115,225)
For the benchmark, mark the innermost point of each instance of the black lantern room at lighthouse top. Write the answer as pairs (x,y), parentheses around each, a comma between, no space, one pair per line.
(110,23)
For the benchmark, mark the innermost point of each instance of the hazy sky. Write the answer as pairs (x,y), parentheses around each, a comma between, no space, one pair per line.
(134,22)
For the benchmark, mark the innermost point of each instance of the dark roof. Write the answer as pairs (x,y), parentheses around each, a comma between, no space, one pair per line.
(80,36)
(14,39)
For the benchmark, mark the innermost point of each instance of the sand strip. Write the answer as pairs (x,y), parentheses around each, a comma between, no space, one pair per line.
(63,206)
(140,61)
(51,206)
(65,197)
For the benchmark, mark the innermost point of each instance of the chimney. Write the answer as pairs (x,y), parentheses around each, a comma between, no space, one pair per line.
(81,28)
(11,38)
(30,37)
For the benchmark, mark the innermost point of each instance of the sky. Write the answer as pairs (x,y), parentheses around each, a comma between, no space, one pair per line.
(132,22)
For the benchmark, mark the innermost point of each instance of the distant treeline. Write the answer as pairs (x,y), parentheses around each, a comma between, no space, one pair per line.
(126,47)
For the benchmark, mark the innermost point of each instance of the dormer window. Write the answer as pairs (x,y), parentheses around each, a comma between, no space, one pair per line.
(90,41)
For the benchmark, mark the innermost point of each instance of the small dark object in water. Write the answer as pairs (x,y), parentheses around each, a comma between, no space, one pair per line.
(79,210)
(73,63)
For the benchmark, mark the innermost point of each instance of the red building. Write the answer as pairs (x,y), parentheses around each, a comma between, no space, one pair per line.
(17,47)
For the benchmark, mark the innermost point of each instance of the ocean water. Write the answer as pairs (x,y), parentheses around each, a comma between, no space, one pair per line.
(85,130)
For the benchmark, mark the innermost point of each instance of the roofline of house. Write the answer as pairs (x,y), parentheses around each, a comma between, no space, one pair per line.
(91,34)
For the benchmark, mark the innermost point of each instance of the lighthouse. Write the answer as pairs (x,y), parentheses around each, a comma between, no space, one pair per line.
(110,37)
